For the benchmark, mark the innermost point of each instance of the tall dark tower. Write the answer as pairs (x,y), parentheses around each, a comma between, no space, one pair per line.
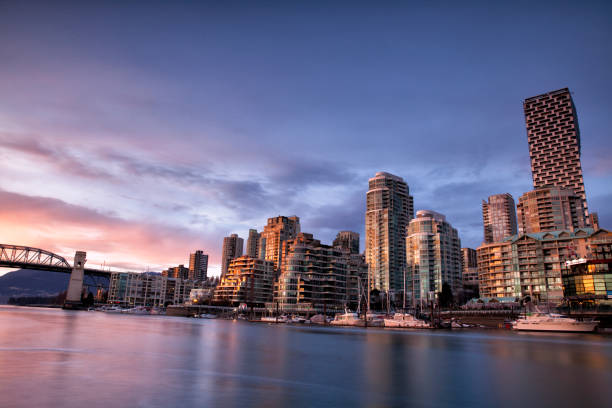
(554,142)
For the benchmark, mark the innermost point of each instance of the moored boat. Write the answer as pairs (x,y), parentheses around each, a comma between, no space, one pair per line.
(405,320)
(346,319)
(553,322)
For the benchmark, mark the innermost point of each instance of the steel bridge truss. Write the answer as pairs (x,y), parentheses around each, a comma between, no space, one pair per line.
(21,255)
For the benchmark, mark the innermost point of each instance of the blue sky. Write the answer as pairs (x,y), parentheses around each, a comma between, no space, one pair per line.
(141,131)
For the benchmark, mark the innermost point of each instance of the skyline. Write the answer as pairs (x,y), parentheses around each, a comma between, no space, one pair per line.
(207,120)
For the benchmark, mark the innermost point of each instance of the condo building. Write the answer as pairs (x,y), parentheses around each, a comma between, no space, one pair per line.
(348,240)
(278,230)
(554,142)
(550,209)
(248,280)
(469,266)
(433,256)
(312,277)
(534,264)
(198,266)
(499,217)
(176,272)
(469,272)
(389,209)
(232,248)
(252,245)
(148,289)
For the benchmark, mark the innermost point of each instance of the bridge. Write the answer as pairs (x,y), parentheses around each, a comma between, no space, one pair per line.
(23,257)
(16,256)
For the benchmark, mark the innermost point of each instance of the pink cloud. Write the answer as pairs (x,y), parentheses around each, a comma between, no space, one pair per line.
(63,228)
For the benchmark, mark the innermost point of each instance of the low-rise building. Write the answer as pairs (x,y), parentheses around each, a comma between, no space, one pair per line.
(247,280)
(312,277)
(533,264)
(148,289)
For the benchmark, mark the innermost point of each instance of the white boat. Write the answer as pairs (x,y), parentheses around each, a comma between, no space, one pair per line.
(318,319)
(553,322)
(346,319)
(297,319)
(273,319)
(208,316)
(139,310)
(112,309)
(405,320)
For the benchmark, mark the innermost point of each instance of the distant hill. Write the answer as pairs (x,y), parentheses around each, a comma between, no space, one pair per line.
(28,282)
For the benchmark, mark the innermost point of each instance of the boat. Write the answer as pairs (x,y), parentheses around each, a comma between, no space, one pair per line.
(373,320)
(319,319)
(138,310)
(112,309)
(346,319)
(208,316)
(553,322)
(273,319)
(297,319)
(405,320)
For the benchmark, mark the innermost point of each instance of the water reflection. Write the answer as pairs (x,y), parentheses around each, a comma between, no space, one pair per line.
(74,359)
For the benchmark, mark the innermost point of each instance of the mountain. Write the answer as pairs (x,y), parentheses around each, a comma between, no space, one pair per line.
(29,282)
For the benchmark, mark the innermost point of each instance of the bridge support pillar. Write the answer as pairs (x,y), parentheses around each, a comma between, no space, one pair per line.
(75,286)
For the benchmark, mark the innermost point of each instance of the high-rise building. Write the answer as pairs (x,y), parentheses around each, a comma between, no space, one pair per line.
(278,230)
(252,246)
(347,240)
(232,248)
(198,265)
(550,209)
(312,276)
(389,209)
(433,255)
(554,142)
(499,217)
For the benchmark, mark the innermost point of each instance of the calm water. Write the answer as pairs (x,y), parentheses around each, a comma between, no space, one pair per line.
(55,358)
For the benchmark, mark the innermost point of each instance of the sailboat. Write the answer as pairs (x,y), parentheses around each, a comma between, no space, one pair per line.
(405,319)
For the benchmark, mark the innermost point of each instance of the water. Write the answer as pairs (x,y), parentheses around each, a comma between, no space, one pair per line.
(55,358)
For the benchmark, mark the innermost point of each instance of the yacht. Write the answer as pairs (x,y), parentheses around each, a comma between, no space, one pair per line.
(553,322)
(273,319)
(373,320)
(405,320)
(346,319)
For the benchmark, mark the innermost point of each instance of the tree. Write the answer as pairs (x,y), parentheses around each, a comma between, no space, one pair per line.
(446,296)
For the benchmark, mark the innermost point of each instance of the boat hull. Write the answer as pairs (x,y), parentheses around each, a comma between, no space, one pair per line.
(578,327)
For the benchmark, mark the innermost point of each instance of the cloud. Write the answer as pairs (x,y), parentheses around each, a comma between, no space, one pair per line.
(64,228)
(61,159)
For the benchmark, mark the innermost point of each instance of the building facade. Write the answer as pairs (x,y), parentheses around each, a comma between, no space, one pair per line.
(312,277)
(232,248)
(554,142)
(533,264)
(499,217)
(389,209)
(469,272)
(348,240)
(278,230)
(550,209)
(131,289)
(252,245)
(198,266)
(248,280)
(176,272)
(433,256)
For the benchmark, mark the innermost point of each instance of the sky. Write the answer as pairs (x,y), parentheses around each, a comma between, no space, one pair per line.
(142,131)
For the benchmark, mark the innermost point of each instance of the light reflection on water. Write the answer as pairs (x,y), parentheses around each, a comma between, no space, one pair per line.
(50,357)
